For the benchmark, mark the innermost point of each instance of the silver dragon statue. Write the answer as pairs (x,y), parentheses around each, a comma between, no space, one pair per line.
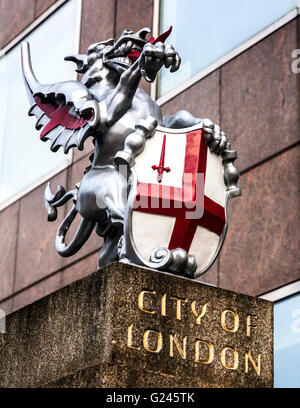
(107,105)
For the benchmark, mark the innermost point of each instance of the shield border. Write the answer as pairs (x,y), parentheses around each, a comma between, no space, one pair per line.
(162,257)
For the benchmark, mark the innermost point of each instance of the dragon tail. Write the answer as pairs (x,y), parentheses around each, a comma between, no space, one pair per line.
(52,201)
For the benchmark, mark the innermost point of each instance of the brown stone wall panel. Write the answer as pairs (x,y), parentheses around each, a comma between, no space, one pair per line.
(8,240)
(260,101)
(211,276)
(15,15)
(80,269)
(298,31)
(37,291)
(42,5)
(36,254)
(95,242)
(202,99)
(86,152)
(261,251)
(133,15)
(145,86)
(97,22)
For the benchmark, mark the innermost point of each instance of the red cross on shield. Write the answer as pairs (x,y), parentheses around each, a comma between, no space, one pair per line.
(186,208)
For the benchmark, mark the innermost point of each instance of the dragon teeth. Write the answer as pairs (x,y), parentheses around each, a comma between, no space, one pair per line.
(123,60)
(122,48)
(129,44)
(125,47)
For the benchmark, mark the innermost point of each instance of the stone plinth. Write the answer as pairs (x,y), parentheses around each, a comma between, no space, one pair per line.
(126,326)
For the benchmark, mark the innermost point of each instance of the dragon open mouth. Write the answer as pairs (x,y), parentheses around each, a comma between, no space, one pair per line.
(128,49)
(127,53)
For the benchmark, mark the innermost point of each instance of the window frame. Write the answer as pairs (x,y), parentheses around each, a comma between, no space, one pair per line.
(282,292)
(291,15)
(7,48)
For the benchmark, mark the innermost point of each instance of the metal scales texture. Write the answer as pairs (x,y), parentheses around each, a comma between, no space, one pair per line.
(157,187)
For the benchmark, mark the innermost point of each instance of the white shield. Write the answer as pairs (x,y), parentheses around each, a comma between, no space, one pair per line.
(179,199)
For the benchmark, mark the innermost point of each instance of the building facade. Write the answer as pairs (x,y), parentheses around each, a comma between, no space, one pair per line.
(250,87)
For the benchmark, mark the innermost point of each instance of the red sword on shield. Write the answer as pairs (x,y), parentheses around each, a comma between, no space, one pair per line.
(160,168)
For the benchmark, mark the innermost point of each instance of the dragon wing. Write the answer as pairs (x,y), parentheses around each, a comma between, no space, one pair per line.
(57,106)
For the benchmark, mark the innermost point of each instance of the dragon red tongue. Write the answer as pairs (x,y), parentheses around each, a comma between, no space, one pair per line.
(133,55)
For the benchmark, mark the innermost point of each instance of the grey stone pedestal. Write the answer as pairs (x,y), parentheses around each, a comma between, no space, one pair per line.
(126,326)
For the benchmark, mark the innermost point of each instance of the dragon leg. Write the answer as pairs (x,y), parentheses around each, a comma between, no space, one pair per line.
(109,251)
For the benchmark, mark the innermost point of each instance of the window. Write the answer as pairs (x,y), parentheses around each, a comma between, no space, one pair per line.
(286,335)
(287,342)
(204,31)
(25,161)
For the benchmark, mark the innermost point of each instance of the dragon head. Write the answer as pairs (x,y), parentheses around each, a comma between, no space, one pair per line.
(116,55)
(121,54)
